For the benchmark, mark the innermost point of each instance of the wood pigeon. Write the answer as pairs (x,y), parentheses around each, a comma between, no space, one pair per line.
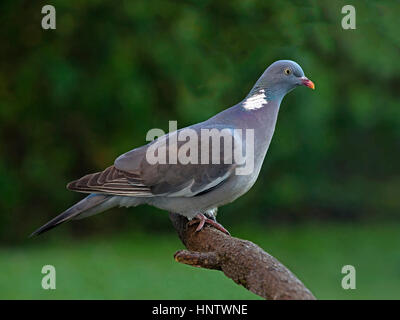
(194,189)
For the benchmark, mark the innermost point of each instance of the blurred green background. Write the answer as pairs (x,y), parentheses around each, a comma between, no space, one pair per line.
(74,98)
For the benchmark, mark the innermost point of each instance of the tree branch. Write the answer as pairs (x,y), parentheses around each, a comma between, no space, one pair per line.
(241,260)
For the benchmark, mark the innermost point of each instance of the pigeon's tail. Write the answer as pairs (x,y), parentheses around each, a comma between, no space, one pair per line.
(92,204)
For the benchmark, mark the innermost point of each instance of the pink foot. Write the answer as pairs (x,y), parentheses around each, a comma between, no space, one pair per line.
(201,219)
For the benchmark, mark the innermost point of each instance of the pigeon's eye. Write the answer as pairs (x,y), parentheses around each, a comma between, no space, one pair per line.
(287,71)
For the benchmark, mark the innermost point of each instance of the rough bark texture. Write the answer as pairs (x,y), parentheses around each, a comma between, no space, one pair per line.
(241,260)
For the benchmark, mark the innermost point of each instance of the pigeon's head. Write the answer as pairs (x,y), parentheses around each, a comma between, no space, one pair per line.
(281,77)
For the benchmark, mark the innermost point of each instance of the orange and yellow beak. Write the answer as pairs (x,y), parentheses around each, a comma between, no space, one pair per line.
(307,82)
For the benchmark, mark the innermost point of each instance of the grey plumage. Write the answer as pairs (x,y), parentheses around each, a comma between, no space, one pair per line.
(192,188)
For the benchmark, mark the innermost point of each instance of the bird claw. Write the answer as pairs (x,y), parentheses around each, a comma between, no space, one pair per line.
(201,219)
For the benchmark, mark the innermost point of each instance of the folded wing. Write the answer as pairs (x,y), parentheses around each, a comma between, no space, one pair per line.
(133,175)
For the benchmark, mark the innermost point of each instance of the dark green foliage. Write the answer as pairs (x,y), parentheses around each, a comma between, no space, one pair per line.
(74,98)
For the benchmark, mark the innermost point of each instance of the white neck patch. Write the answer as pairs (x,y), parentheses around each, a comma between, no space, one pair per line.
(256,101)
